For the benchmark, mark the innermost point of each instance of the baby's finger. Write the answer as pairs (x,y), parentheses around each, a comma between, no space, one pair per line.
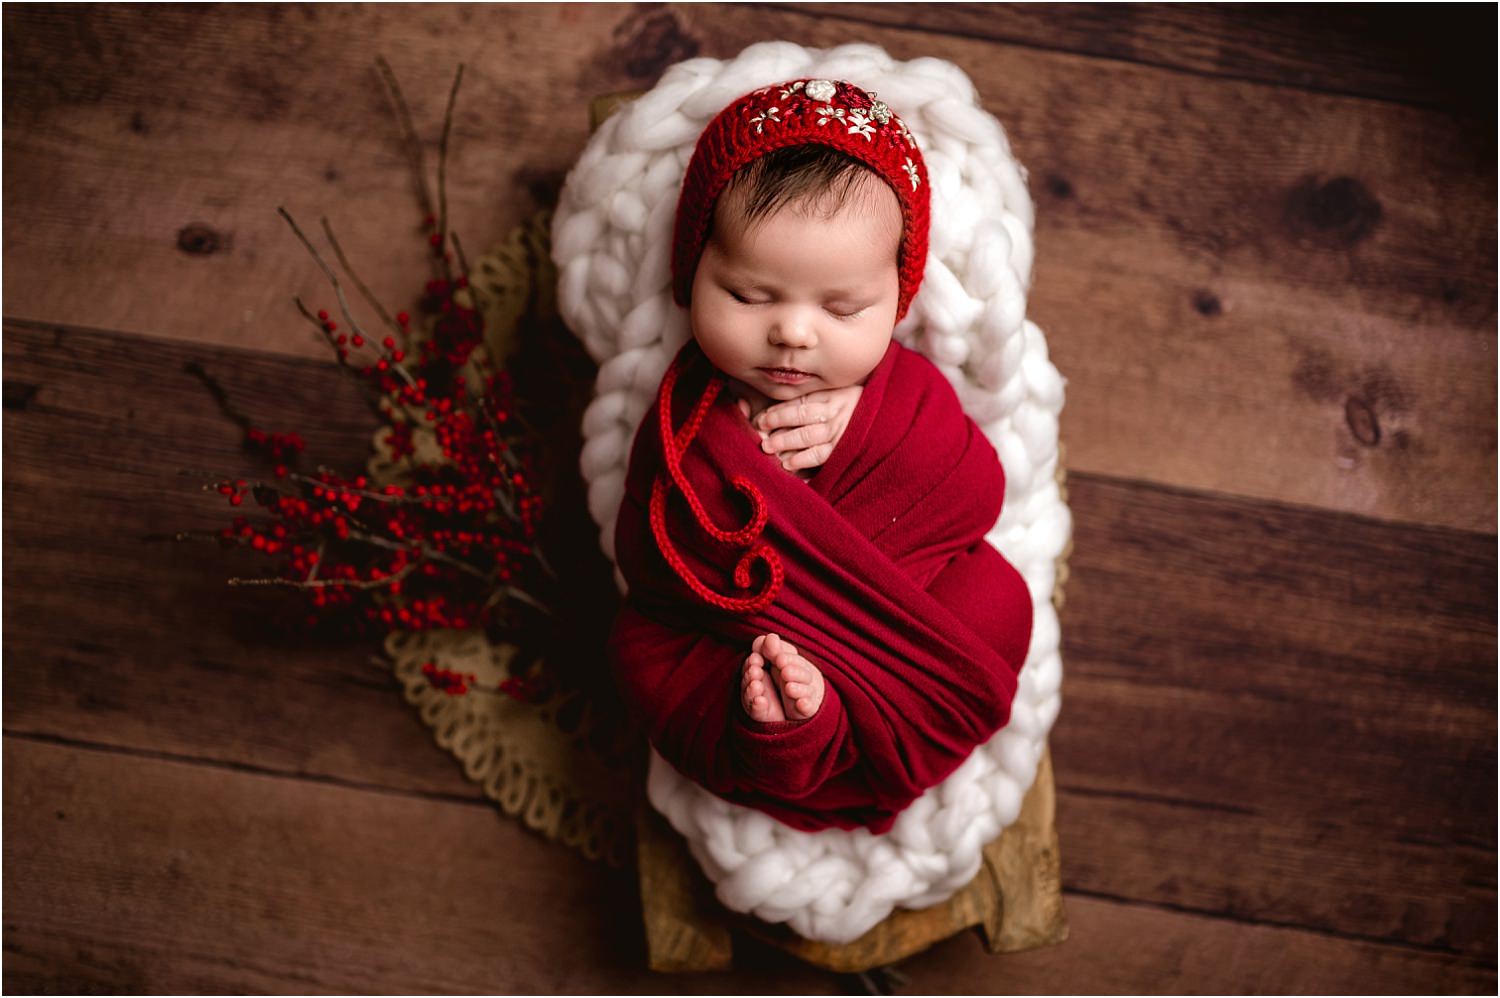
(797,412)
(772,648)
(744,407)
(813,457)
(755,645)
(797,438)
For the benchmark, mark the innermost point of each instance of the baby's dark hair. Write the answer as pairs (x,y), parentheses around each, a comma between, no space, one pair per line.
(792,175)
(811,174)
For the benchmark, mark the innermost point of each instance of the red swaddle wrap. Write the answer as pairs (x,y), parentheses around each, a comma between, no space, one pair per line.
(875,569)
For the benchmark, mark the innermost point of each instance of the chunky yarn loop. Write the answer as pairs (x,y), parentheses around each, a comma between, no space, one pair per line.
(612,241)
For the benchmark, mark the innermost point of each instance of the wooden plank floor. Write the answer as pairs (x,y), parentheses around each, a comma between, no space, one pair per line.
(1265,262)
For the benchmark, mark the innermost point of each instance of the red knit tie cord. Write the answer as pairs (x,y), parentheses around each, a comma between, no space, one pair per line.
(673,446)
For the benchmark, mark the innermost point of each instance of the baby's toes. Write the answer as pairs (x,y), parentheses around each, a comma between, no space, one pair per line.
(754,673)
(761,702)
(794,670)
(757,703)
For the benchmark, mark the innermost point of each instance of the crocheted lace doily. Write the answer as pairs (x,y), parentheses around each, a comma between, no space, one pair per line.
(612,239)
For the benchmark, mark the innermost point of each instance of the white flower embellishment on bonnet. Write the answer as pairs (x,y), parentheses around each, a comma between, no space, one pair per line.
(820,90)
(815,98)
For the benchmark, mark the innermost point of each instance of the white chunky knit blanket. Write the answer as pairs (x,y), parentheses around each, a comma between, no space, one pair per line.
(612,240)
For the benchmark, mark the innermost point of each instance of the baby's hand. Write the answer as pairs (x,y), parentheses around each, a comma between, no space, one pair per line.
(804,431)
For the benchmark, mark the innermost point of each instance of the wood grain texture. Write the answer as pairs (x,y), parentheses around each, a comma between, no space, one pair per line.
(1273,715)
(1441,59)
(1252,288)
(132,874)
(1287,716)
(129,873)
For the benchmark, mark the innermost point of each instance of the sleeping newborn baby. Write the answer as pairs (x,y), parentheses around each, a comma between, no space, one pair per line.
(871,637)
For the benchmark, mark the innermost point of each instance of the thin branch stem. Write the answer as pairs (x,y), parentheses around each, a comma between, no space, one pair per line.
(310,583)
(541,560)
(517,594)
(363,289)
(463,265)
(522,596)
(338,289)
(322,264)
(426,552)
(299,477)
(408,132)
(372,395)
(443,168)
(312,573)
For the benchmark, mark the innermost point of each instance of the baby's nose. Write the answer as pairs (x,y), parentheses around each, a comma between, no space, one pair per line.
(793,329)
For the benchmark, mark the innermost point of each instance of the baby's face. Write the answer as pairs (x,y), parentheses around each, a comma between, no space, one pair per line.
(800,301)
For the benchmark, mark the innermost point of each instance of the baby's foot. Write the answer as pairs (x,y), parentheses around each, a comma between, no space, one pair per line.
(797,680)
(761,699)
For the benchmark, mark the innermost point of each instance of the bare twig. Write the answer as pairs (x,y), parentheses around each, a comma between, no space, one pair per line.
(333,278)
(310,583)
(443,167)
(541,560)
(517,594)
(463,268)
(312,573)
(373,398)
(424,550)
(524,597)
(299,477)
(369,297)
(408,132)
(338,289)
